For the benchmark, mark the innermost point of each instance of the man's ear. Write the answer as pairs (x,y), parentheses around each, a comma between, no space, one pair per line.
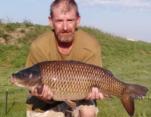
(78,21)
(50,22)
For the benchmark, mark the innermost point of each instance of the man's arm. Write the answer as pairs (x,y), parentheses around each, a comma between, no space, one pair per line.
(95,59)
(34,57)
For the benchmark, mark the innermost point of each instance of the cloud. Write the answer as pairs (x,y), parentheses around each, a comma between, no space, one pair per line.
(119,3)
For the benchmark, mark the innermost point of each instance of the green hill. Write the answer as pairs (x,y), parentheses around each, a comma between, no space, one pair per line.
(130,61)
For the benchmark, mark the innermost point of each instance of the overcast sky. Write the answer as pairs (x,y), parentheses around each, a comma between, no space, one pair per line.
(126,18)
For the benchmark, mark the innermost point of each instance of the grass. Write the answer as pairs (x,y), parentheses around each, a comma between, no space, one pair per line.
(12,58)
(129,61)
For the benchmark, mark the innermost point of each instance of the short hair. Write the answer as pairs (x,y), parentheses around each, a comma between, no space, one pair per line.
(69,4)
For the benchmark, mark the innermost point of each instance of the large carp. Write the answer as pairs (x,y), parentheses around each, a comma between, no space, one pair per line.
(72,80)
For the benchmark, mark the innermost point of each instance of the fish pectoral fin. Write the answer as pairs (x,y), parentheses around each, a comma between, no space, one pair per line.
(128,103)
(39,89)
(106,96)
(71,104)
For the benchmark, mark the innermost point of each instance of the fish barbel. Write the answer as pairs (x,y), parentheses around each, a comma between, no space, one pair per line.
(72,80)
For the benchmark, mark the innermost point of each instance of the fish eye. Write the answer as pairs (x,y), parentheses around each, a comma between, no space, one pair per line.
(30,76)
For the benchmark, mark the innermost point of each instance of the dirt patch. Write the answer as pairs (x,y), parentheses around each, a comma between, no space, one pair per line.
(12,37)
(145,52)
(2,41)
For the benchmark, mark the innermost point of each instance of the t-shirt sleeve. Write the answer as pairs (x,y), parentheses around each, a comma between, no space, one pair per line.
(34,56)
(95,57)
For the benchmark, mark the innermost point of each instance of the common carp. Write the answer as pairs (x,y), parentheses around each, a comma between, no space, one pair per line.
(73,80)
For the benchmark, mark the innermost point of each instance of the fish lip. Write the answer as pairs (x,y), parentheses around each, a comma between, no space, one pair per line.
(12,80)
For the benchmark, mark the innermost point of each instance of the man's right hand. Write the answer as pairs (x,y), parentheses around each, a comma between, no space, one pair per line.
(44,95)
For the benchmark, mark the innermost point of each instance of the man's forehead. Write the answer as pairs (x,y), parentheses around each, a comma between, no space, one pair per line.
(64,8)
(60,12)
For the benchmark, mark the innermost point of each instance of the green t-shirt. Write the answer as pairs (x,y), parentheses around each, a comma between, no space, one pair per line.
(85,49)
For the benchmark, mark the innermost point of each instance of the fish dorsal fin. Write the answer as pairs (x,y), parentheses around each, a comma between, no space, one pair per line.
(128,103)
(107,71)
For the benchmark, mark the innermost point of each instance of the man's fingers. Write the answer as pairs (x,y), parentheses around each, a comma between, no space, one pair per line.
(89,96)
(95,94)
(50,95)
(47,94)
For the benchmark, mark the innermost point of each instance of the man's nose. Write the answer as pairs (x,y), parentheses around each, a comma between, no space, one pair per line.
(65,27)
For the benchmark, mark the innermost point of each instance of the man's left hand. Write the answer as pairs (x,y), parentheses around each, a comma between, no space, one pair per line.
(95,94)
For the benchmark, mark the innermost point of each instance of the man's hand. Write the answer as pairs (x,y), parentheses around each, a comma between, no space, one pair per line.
(44,95)
(95,94)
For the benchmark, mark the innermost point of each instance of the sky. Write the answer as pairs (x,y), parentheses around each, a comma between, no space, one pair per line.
(125,18)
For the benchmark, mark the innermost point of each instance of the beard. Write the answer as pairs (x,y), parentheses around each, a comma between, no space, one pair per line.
(65,36)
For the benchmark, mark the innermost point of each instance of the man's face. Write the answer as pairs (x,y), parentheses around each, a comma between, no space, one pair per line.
(64,24)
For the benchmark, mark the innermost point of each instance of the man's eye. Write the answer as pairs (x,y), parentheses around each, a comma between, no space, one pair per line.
(71,20)
(58,20)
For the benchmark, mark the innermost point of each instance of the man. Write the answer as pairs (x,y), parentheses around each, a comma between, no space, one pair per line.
(65,42)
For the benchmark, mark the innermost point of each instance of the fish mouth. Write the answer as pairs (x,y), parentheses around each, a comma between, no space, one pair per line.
(20,83)
(13,80)
(16,82)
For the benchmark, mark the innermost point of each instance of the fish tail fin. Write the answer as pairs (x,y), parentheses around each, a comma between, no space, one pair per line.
(132,92)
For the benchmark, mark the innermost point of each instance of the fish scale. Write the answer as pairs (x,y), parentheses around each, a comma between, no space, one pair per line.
(76,79)
(73,80)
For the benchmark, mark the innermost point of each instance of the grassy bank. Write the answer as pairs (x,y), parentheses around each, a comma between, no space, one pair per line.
(130,61)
